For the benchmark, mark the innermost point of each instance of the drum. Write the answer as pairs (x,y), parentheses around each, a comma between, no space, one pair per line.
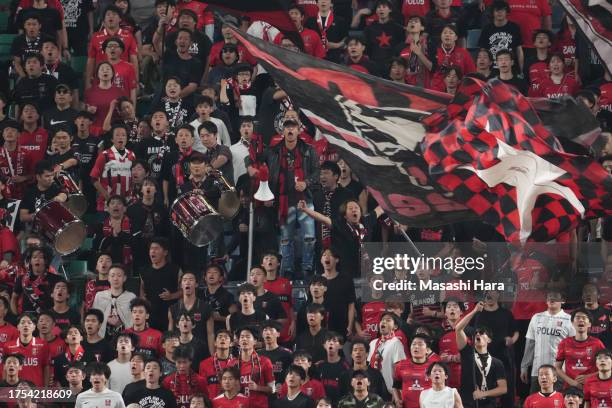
(196,218)
(62,228)
(76,203)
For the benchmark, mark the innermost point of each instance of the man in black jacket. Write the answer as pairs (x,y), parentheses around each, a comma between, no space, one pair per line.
(294,175)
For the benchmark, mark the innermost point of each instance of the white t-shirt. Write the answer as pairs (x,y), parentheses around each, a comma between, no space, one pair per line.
(430,398)
(547,331)
(239,153)
(223,136)
(392,351)
(105,399)
(121,375)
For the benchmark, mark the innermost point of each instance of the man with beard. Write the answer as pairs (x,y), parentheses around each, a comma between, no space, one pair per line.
(152,395)
(387,350)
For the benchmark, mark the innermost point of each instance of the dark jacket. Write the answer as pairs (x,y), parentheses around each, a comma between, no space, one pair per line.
(310,167)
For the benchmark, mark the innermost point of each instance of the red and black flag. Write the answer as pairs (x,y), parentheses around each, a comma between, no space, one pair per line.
(492,151)
(274,12)
(374,124)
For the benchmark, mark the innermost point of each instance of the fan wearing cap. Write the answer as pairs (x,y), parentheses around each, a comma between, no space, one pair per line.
(256,377)
(361,395)
(597,388)
(228,38)
(125,73)
(61,114)
(16,162)
(483,376)
(295,398)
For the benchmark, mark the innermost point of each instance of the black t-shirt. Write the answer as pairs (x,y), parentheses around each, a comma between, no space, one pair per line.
(340,293)
(200,350)
(39,91)
(64,75)
(335,33)
(57,159)
(377,383)
(34,198)
(281,359)
(301,401)
(148,398)
(518,83)
(100,351)
(169,171)
(152,150)
(36,292)
(155,281)
(220,302)
(238,320)
(86,152)
(50,19)
(270,305)
(312,344)
(200,46)
(471,377)
(495,39)
(64,320)
(382,39)
(501,322)
(132,388)
(188,71)
(329,374)
(23,45)
(434,24)
(59,119)
(200,313)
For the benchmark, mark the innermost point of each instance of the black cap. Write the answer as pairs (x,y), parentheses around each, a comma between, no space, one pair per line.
(290,122)
(360,373)
(196,157)
(62,86)
(85,114)
(10,123)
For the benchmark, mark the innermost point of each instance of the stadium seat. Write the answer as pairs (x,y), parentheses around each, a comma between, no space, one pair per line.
(78,64)
(472,39)
(75,269)
(4,20)
(5,45)
(87,244)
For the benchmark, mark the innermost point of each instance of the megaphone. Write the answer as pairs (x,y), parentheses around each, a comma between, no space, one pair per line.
(263,192)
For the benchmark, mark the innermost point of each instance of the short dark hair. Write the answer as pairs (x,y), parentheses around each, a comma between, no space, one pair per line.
(331,166)
(117,126)
(331,335)
(48,313)
(112,8)
(184,30)
(99,368)
(116,39)
(209,126)
(500,5)
(360,342)
(439,364)
(318,279)
(169,334)
(233,371)
(136,302)
(247,287)
(94,312)
(72,326)
(183,351)
(204,100)
(539,31)
(190,13)
(161,241)
(549,366)
(134,339)
(505,51)
(315,308)
(18,356)
(42,167)
(117,197)
(296,369)
(584,311)
(154,361)
(297,7)
(142,163)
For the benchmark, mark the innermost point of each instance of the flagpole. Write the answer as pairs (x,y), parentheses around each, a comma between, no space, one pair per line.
(251,222)
(407,238)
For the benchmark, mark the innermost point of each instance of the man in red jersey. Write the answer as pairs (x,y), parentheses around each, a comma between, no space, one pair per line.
(16,161)
(449,353)
(211,368)
(410,375)
(597,389)
(575,360)
(34,350)
(184,382)
(573,397)
(112,171)
(228,38)
(95,54)
(312,41)
(530,15)
(46,331)
(125,74)
(8,332)
(547,397)
(231,396)
(149,339)
(369,314)
(256,378)
(33,137)
(282,288)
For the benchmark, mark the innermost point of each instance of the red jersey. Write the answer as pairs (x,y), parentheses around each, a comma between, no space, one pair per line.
(458,56)
(239,401)
(97,52)
(566,45)
(528,301)
(258,370)
(448,345)
(325,150)
(114,171)
(598,392)
(548,89)
(413,379)
(56,4)
(313,389)
(101,99)
(35,142)
(415,8)
(370,317)
(311,8)
(283,288)
(184,387)
(528,15)
(605,100)
(149,341)
(579,356)
(92,287)
(19,162)
(36,358)
(210,369)
(56,347)
(312,43)
(205,16)
(539,400)
(243,54)
(8,333)
(125,77)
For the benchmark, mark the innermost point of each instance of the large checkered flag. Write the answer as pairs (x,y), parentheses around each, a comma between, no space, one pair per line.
(490,149)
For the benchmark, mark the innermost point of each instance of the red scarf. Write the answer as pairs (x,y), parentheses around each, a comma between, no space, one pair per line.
(323,30)
(376,361)
(229,362)
(77,356)
(255,372)
(297,173)
(34,283)
(237,89)
(178,169)
(183,387)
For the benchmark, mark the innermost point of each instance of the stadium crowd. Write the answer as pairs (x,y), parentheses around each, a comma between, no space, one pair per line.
(141,104)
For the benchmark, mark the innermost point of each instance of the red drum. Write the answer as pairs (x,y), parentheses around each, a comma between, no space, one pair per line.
(196,218)
(62,228)
(76,203)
